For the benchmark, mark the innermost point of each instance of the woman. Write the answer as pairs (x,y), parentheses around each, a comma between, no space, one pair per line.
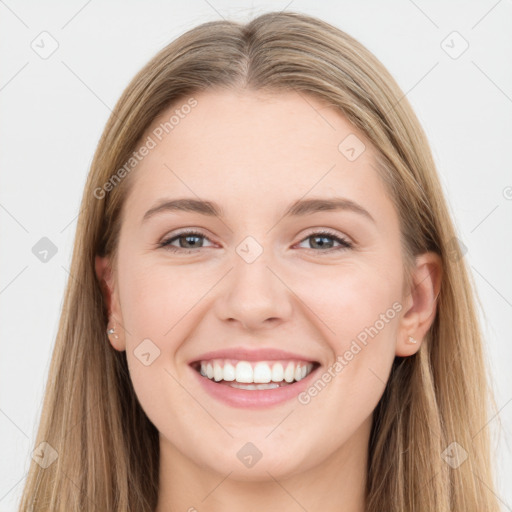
(318,348)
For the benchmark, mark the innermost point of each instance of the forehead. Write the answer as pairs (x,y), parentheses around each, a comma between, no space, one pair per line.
(257,148)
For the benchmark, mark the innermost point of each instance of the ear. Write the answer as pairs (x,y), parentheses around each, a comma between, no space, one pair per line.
(420,304)
(108,286)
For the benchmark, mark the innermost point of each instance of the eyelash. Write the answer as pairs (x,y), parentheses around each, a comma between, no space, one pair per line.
(345,244)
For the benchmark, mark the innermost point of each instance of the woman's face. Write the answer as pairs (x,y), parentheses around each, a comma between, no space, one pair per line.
(255,277)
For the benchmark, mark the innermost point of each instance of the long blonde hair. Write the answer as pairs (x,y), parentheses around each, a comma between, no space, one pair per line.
(107,449)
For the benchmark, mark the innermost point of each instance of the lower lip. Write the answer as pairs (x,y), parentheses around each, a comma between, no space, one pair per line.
(254,398)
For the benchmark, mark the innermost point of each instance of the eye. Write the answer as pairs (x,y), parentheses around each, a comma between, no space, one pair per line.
(321,240)
(190,238)
(191,242)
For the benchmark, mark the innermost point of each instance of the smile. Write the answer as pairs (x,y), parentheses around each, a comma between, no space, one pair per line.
(253,383)
(255,372)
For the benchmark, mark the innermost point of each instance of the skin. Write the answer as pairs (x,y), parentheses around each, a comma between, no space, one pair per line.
(255,154)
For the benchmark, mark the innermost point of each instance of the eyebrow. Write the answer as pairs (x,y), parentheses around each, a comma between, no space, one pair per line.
(298,208)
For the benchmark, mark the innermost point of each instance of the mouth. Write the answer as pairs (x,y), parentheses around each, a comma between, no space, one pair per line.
(254,375)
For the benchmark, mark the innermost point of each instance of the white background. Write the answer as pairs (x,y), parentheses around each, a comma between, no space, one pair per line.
(53,111)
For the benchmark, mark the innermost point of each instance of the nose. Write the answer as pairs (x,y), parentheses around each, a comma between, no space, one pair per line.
(254,295)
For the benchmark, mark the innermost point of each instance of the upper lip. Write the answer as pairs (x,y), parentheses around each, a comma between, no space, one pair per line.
(245,354)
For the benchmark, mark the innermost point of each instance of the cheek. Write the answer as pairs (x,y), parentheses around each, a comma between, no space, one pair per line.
(359,308)
(152,303)
(160,304)
(350,298)
(155,298)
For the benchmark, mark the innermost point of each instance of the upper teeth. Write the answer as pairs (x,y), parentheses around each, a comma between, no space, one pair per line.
(257,372)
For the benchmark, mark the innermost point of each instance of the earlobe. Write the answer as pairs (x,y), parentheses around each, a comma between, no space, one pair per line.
(115,338)
(425,289)
(412,340)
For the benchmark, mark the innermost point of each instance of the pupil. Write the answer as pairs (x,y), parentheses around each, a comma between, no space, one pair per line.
(187,237)
(322,244)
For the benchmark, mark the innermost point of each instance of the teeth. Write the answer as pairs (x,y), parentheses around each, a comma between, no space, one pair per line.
(229,372)
(277,372)
(272,385)
(244,372)
(261,372)
(289,373)
(218,374)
